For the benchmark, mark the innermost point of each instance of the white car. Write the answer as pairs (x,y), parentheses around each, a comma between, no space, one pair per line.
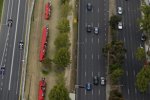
(120,25)
(103,81)
(119,10)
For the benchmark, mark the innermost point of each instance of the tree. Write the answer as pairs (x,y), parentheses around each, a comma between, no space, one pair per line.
(65,9)
(145,20)
(113,67)
(62,41)
(114,21)
(115,95)
(62,57)
(63,25)
(140,54)
(116,74)
(59,91)
(143,78)
(64,1)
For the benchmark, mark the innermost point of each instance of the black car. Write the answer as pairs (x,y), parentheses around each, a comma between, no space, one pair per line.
(143,37)
(95,80)
(21,44)
(10,21)
(89,28)
(89,6)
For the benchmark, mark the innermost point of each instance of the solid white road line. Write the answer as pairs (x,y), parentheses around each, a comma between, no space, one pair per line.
(7,10)
(12,61)
(11,8)
(24,18)
(18,72)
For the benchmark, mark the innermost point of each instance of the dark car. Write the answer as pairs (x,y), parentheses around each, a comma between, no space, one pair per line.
(10,21)
(2,70)
(21,44)
(89,6)
(89,28)
(95,80)
(88,87)
(143,37)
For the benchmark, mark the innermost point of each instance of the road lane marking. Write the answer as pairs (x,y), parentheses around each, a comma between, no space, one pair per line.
(84,92)
(98,10)
(92,24)
(85,40)
(92,40)
(92,74)
(132,56)
(105,34)
(85,24)
(98,40)
(127,73)
(12,61)
(1,83)
(128,91)
(99,92)
(124,39)
(98,24)
(85,74)
(134,72)
(92,56)
(125,56)
(11,8)
(7,9)
(24,18)
(92,92)
(98,57)
(135,91)
(85,56)
(19,71)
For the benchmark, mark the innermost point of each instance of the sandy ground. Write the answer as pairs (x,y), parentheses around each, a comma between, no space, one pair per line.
(34,73)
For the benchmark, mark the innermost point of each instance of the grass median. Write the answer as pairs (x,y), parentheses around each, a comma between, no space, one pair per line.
(1,7)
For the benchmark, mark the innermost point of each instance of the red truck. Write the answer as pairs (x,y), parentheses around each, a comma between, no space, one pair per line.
(48,9)
(42,89)
(43,44)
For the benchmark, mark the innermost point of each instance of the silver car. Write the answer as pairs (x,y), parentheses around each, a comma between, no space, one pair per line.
(120,25)
(120,10)
(103,81)
(96,30)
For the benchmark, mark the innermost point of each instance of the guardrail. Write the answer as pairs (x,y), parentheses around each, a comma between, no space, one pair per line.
(25,55)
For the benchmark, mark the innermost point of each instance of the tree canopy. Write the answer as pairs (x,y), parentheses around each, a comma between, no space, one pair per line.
(62,57)
(63,25)
(143,78)
(114,21)
(59,91)
(140,54)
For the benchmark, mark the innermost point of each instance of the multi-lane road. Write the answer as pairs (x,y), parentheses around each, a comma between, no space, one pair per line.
(132,40)
(10,54)
(91,62)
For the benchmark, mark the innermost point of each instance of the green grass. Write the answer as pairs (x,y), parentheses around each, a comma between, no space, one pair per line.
(1,7)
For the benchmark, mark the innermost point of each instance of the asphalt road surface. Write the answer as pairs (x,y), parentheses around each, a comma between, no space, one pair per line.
(10,54)
(131,37)
(91,62)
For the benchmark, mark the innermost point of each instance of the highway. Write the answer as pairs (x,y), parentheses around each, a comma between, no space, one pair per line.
(91,62)
(10,54)
(132,39)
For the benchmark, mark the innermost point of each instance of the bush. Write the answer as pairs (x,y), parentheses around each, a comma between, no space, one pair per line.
(63,25)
